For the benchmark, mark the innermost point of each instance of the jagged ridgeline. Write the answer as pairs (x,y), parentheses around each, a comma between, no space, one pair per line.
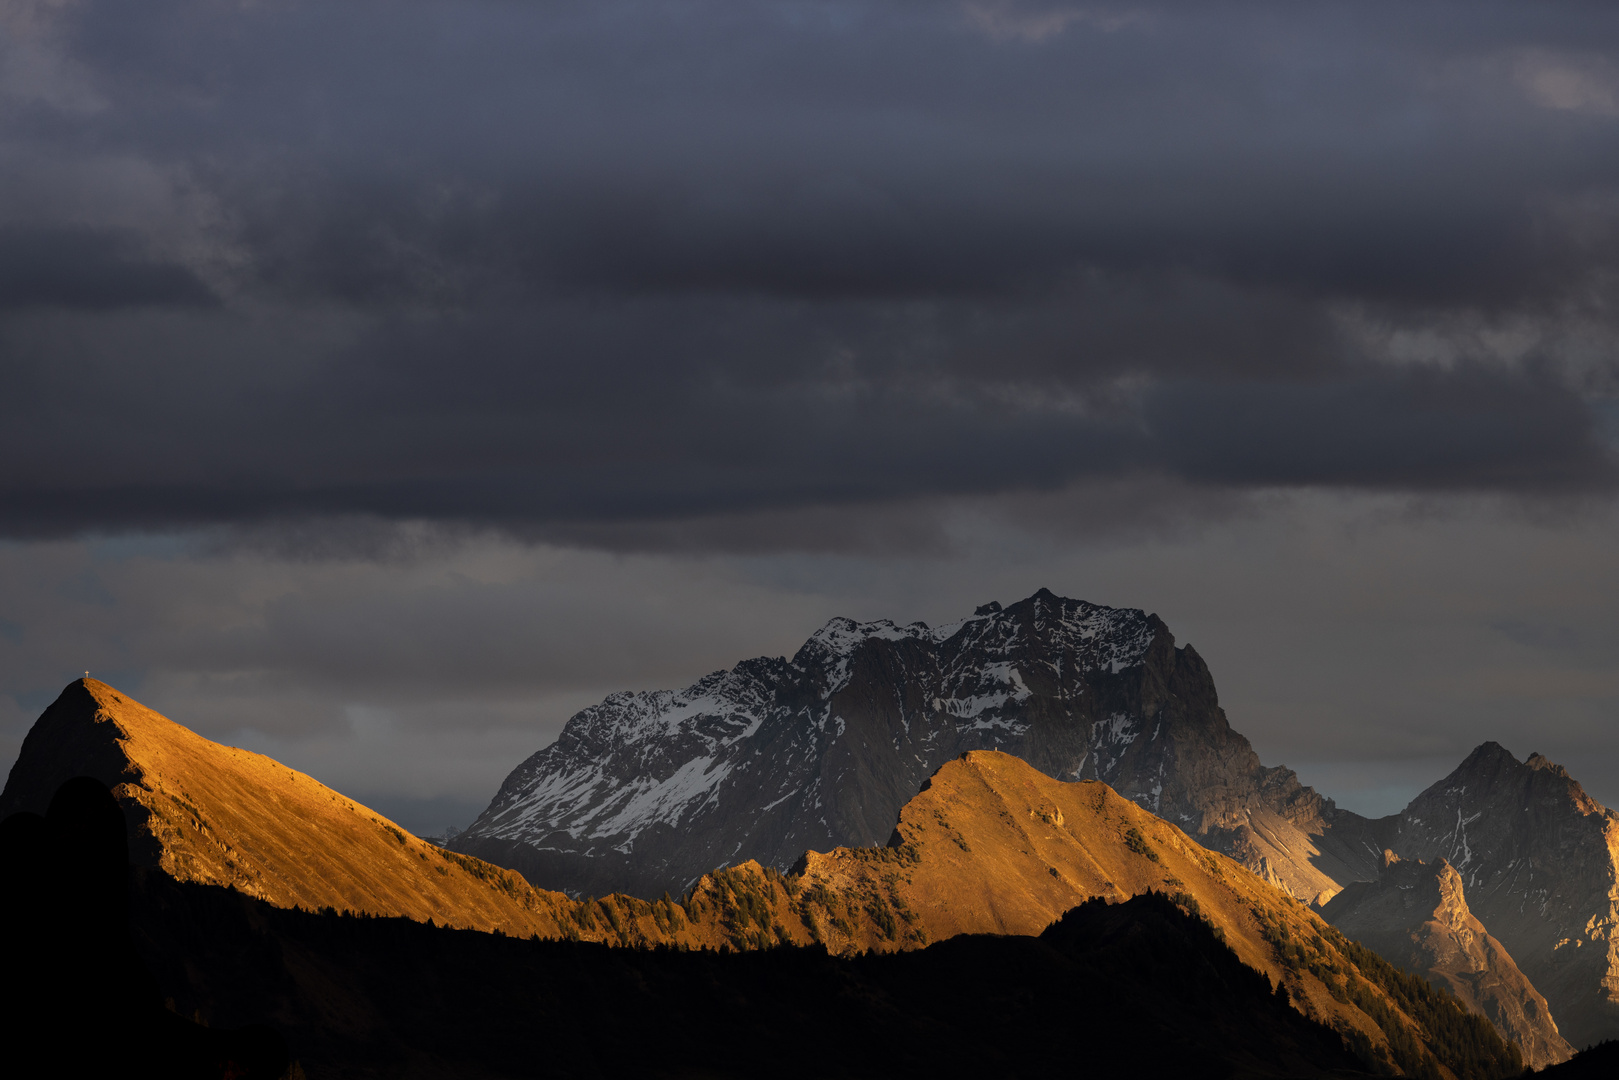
(647,791)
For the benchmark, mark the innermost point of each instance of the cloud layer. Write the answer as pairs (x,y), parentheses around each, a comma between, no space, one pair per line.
(554,269)
(1368,642)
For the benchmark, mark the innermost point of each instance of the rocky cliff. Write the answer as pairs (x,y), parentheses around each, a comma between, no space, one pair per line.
(1416,916)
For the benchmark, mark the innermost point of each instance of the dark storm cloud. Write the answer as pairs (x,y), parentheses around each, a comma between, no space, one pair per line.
(94,269)
(1475,429)
(552,268)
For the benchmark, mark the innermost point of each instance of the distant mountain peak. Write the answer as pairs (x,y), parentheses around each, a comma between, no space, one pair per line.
(646,791)
(1540,861)
(1541,763)
(1491,765)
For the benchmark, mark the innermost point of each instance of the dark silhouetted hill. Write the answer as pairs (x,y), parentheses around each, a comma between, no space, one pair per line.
(1133,989)
(1599,1062)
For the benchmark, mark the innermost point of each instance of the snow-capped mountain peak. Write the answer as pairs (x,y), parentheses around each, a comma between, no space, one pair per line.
(650,789)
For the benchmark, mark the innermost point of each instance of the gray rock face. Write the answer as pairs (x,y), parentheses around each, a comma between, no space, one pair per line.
(1538,857)
(1416,916)
(1539,860)
(646,791)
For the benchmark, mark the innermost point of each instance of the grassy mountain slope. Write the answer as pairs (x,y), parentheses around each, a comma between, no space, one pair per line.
(219,815)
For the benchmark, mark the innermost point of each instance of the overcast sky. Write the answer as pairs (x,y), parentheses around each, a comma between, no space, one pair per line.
(382,382)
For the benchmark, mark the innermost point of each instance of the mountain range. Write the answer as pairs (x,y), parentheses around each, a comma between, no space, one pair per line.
(892,787)
(649,790)
(646,791)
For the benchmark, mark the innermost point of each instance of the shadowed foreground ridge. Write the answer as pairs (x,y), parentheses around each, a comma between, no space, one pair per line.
(1599,1062)
(1134,989)
(1146,987)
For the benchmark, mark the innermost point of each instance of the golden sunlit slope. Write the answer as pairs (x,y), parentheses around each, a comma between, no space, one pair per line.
(994,845)
(219,815)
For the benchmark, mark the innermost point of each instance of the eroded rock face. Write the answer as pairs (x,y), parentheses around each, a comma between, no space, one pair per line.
(1538,857)
(1416,916)
(647,791)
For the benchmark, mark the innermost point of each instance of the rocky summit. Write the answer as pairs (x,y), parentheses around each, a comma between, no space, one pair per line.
(1416,916)
(1540,862)
(646,791)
